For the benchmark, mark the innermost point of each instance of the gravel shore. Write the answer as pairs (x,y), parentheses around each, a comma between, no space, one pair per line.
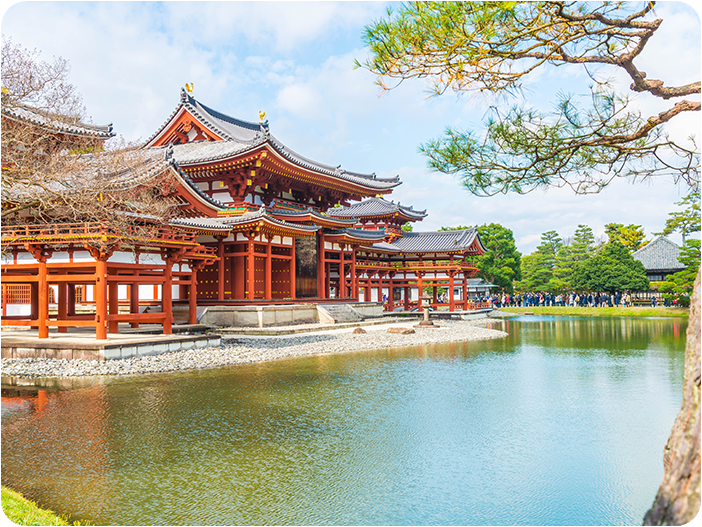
(241,349)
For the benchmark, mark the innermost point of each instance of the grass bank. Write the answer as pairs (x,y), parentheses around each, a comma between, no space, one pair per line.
(21,511)
(602,311)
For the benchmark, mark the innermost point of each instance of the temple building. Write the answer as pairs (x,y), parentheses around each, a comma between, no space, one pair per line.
(256,224)
(660,258)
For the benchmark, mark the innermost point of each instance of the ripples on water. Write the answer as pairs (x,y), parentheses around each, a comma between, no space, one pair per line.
(564,422)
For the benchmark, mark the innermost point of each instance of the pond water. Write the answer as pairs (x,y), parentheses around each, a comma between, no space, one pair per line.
(561,423)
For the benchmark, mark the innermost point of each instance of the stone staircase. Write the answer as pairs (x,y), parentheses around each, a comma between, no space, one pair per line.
(339,313)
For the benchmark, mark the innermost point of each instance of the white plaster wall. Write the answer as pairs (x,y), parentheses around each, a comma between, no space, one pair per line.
(62,257)
(146,292)
(122,291)
(24,310)
(82,256)
(287,240)
(25,258)
(123,257)
(89,292)
(175,292)
(150,258)
(224,197)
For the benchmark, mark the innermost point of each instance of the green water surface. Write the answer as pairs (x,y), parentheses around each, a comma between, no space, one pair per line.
(561,423)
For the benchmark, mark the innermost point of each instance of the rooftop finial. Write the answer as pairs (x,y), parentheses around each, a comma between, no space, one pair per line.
(189,88)
(261,116)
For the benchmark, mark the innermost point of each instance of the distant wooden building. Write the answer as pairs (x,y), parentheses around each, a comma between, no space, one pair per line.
(257,224)
(660,258)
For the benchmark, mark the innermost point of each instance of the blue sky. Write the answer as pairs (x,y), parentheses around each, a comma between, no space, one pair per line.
(295,61)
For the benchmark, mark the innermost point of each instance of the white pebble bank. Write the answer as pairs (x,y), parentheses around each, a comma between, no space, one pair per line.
(244,349)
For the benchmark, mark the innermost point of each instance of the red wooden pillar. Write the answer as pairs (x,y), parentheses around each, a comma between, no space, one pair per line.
(71,299)
(62,304)
(34,301)
(251,269)
(354,288)
(134,300)
(327,273)
(43,300)
(406,298)
(452,302)
(293,293)
(167,297)
(100,295)
(420,289)
(391,294)
(321,266)
(192,299)
(113,305)
(342,273)
(220,269)
(465,292)
(268,279)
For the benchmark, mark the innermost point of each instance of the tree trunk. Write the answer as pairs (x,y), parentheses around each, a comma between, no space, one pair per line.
(678,498)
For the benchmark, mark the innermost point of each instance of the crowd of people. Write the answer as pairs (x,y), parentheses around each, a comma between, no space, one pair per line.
(570,299)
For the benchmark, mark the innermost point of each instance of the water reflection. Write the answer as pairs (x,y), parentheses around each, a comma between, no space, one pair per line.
(563,422)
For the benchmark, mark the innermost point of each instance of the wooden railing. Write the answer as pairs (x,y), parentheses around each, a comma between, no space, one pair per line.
(16,234)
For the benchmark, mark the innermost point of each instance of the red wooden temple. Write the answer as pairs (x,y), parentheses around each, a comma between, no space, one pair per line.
(257,224)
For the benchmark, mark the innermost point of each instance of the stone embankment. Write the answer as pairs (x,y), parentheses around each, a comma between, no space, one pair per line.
(241,350)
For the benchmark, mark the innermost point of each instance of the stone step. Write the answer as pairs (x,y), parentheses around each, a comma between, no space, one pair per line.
(342,313)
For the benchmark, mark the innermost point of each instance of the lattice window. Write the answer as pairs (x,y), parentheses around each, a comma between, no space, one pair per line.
(16,294)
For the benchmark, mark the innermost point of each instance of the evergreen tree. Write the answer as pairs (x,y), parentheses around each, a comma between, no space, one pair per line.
(565,261)
(581,249)
(681,283)
(612,269)
(583,243)
(501,264)
(549,247)
(630,236)
(688,220)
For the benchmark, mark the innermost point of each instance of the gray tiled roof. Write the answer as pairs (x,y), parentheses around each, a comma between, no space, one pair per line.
(478,282)
(370,235)
(297,213)
(209,224)
(433,242)
(226,222)
(31,115)
(660,253)
(375,207)
(240,136)
(203,151)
